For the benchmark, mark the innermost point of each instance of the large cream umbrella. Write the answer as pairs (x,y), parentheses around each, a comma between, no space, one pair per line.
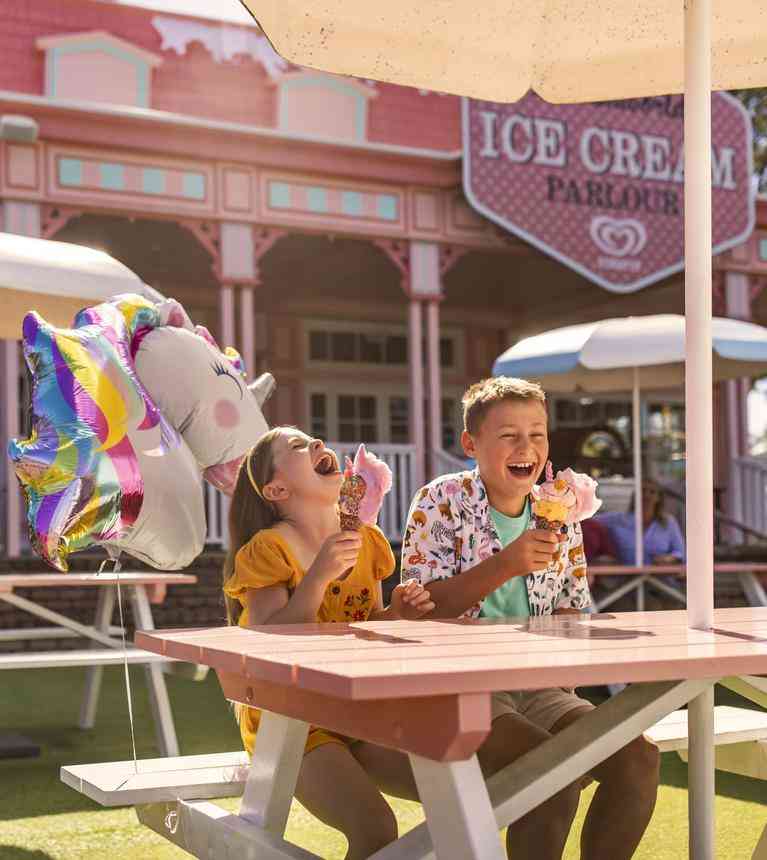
(56,279)
(575,51)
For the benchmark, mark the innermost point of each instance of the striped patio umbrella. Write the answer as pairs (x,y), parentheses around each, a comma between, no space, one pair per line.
(628,354)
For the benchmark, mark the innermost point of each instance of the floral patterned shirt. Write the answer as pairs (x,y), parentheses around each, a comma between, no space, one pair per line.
(450,530)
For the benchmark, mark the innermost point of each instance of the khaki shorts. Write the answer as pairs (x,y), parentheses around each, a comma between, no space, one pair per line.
(543,708)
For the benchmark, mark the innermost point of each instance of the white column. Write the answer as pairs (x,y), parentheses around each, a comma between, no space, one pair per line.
(415,347)
(698,300)
(426,285)
(435,379)
(226,315)
(24,219)
(248,330)
(738,306)
(237,265)
(636,421)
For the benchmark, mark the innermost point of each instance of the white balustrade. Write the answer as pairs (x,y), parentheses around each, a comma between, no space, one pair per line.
(752,472)
(444,463)
(399,458)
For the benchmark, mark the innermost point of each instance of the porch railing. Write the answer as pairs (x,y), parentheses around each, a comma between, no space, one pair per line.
(751,476)
(445,463)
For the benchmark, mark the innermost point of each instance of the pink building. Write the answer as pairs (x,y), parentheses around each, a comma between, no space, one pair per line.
(316,222)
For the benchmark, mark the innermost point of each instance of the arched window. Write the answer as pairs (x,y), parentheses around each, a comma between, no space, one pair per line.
(320,105)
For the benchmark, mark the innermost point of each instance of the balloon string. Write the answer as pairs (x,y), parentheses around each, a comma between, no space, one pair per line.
(116,570)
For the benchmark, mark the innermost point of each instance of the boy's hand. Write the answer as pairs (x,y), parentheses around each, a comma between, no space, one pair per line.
(536,549)
(410,601)
(337,554)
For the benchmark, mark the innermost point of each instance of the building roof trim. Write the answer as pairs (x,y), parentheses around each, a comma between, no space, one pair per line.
(183,120)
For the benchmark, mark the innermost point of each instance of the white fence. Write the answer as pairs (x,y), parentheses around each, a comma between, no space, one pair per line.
(750,474)
(444,463)
(399,458)
(217,514)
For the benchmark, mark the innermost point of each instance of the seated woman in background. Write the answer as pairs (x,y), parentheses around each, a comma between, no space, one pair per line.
(663,541)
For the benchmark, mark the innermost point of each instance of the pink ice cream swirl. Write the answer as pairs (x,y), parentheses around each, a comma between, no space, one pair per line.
(366,481)
(573,491)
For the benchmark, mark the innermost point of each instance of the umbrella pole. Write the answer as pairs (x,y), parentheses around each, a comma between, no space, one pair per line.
(636,420)
(699,403)
(697,287)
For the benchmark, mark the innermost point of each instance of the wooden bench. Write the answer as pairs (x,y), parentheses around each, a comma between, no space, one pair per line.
(201,777)
(731,726)
(68,659)
(105,640)
(189,777)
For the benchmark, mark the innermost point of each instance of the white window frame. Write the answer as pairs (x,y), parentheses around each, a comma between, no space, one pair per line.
(382,391)
(455,335)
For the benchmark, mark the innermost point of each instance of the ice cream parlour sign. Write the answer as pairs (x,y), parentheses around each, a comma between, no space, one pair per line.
(600,187)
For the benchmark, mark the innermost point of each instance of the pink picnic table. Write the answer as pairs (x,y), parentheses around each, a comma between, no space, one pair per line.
(639,577)
(105,643)
(425,688)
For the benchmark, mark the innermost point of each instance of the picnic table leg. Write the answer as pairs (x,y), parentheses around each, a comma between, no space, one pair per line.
(664,588)
(640,594)
(760,852)
(158,692)
(279,751)
(94,674)
(459,814)
(701,775)
(753,589)
(617,593)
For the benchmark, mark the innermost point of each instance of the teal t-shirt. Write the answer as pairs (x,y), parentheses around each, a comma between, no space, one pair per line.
(510,599)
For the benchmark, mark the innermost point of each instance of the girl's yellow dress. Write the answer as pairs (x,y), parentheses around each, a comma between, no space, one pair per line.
(268,560)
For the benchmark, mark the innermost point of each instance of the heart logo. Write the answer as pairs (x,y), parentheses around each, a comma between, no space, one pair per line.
(618,237)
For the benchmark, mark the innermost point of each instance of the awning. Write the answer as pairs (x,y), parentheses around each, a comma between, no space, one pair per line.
(56,279)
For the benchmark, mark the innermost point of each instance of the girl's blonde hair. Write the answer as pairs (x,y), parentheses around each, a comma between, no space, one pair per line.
(249,511)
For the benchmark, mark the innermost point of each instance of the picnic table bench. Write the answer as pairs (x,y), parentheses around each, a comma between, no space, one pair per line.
(105,643)
(649,574)
(424,688)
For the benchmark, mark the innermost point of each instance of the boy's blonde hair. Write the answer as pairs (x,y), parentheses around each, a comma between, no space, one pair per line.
(481,396)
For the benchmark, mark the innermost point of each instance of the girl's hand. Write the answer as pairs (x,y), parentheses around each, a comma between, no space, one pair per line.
(410,601)
(338,554)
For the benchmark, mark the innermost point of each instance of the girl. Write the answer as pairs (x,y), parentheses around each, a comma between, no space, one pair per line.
(289,563)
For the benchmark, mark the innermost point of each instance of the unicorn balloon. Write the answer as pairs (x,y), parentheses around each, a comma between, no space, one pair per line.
(132,406)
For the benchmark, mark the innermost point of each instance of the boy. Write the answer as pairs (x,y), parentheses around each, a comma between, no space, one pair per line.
(469,536)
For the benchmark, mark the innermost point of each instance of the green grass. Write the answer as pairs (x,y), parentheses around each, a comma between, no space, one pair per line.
(41,819)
